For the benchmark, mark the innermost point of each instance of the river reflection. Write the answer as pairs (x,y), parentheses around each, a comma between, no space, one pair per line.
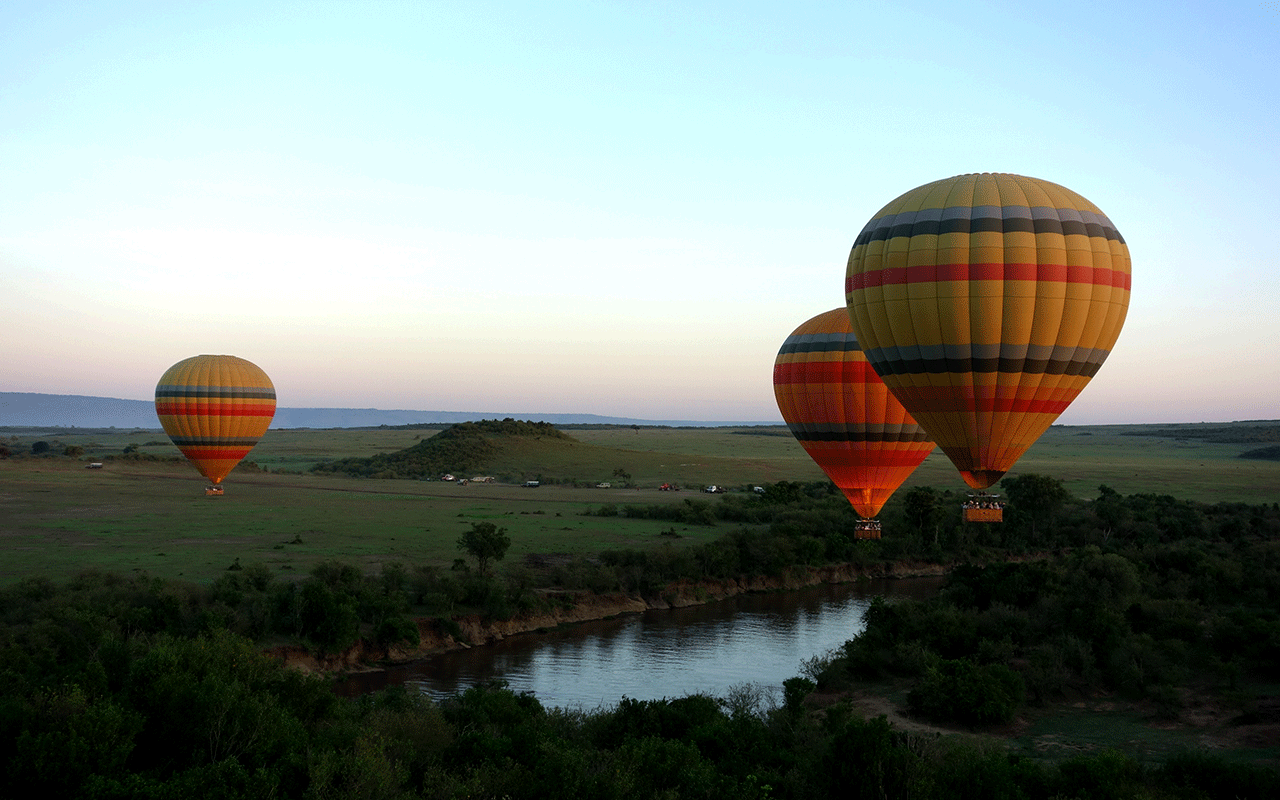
(760,639)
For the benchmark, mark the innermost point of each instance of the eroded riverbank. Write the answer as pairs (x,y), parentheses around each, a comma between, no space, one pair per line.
(569,608)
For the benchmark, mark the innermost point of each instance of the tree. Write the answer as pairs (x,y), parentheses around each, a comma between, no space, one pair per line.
(1037,496)
(485,542)
(1111,510)
(920,504)
(623,474)
(73,450)
(39,447)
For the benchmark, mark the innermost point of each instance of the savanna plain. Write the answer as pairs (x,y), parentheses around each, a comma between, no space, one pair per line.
(57,517)
(1114,718)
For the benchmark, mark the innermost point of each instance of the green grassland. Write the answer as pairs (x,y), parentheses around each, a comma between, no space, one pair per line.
(151,515)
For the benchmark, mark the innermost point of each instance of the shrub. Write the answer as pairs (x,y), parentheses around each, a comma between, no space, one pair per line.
(395,630)
(957,690)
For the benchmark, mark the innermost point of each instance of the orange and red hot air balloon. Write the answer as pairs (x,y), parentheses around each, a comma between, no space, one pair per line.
(986,302)
(215,409)
(842,413)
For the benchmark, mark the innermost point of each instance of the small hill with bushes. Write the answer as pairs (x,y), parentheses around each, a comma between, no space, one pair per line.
(465,449)
(1263,453)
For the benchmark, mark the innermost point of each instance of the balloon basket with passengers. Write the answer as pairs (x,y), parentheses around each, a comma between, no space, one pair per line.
(982,507)
(980,306)
(866,529)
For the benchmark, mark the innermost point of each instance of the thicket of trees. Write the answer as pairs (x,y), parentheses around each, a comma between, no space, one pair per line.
(1161,623)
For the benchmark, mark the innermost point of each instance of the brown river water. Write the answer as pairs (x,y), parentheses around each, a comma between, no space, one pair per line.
(752,639)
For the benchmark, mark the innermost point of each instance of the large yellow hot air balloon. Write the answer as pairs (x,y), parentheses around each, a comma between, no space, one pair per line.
(215,408)
(986,302)
(843,415)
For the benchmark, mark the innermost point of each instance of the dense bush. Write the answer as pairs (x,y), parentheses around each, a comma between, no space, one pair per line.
(958,690)
(1155,623)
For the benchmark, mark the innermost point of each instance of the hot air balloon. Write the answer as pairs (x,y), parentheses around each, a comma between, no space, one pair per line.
(215,408)
(986,302)
(843,415)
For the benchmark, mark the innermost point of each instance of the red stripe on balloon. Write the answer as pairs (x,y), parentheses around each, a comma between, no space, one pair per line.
(824,372)
(1059,273)
(937,405)
(214,410)
(216,453)
(859,458)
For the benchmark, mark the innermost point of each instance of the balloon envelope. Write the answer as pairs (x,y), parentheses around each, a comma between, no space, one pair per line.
(215,408)
(842,413)
(986,302)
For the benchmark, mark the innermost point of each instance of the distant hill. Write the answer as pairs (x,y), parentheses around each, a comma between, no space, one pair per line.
(30,410)
(1247,432)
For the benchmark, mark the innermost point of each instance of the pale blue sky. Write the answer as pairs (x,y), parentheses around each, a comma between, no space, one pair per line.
(610,208)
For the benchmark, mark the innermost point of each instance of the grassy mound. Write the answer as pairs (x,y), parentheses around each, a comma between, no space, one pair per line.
(1263,453)
(465,449)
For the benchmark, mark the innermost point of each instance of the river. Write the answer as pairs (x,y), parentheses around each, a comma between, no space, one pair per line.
(756,639)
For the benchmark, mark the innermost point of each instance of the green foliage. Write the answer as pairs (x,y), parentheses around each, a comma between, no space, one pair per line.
(958,690)
(1105,774)
(1037,497)
(485,542)
(794,692)
(328,616)
(70,735)
(920,505)
(866,759)
(1199,773)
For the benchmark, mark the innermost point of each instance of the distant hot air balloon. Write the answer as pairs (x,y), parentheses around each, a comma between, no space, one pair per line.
(843,415)
(986,302)
(215,408)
